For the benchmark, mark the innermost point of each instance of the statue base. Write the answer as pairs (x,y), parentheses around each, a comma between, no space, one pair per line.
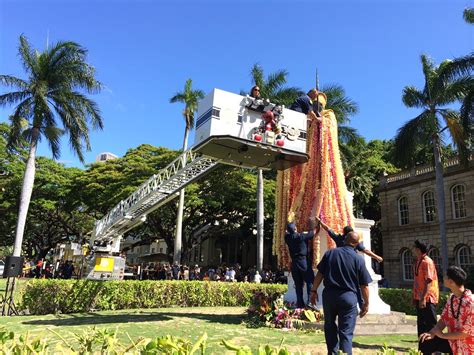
(376,305)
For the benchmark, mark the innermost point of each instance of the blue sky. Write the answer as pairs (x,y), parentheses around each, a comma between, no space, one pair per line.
(145,50)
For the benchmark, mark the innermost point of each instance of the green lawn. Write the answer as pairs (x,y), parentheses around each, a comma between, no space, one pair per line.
(191,323)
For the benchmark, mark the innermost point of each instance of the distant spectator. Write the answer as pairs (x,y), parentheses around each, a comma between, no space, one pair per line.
(257,278)
(39,268)
(68,270)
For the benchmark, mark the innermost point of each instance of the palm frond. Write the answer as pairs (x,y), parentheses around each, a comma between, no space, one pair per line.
(286,96)
(457,132)
(468,15)
(12,98)
(28,56)
(53,136)
(467,116)
(348,135)
(275,81)
(455,90)
(429,71)
(415,132)
(343,106)
(256,74)
(451,69)
(18,123)
(412,97)
(9,80)
(178,97)
(81,104)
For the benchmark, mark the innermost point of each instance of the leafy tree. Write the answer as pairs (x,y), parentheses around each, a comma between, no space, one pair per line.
(190,99)
(49,104)
(55,213)
(445,84)
(222,202)
(11,166)
(366,163)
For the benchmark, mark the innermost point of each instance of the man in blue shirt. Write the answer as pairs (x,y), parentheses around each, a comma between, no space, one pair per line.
(301,268)
(343,272)
(304,104)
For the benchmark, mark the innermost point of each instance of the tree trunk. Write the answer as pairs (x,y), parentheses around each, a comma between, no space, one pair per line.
(441,202)
(26,191)
(260,220)
(179,218)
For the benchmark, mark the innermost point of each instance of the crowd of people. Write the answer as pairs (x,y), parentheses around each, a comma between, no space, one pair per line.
(222,273)
(63,269)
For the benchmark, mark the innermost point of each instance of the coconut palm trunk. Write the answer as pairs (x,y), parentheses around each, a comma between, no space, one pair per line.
(26,191)
(441,202)
(178,241)
(260,220)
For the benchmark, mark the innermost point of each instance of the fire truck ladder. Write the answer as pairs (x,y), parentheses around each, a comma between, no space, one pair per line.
(154,193)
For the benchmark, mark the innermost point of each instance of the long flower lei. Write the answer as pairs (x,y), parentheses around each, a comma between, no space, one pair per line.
(314,188)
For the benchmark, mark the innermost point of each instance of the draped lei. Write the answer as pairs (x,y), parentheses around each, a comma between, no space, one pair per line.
(316,188)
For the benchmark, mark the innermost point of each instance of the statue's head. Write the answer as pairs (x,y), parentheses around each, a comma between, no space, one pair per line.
(322,99)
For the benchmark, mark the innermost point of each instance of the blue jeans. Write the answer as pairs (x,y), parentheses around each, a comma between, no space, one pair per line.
(343,306)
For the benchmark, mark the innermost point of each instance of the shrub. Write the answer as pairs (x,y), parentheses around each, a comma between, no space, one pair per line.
(400,300)
(70,296)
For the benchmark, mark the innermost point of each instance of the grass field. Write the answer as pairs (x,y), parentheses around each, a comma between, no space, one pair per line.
(219,323)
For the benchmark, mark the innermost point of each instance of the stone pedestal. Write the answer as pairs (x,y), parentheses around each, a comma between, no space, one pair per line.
(376,305)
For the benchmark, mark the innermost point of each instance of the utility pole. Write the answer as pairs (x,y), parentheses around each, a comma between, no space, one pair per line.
(260,220)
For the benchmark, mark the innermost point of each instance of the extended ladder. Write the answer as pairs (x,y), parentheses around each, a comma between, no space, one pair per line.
(152,194)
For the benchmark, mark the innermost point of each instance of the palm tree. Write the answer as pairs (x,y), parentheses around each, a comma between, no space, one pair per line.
(445,84)
(49,105)
(272,87)
(190,99)
(468,15)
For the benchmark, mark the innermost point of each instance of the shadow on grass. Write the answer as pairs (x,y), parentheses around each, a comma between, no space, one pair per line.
(94,318)
(213,318)
(378,347)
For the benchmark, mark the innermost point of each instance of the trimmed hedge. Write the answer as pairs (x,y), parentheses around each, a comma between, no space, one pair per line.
(70,296)
(400,300)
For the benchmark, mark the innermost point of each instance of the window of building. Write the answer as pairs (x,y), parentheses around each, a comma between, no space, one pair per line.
(433,253)
(403,211)
(463,257)
(161,250)
(407,265)
(458,198)
(429,207)
(152,250)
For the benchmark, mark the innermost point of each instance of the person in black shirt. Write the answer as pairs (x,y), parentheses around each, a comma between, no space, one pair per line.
(301,269)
